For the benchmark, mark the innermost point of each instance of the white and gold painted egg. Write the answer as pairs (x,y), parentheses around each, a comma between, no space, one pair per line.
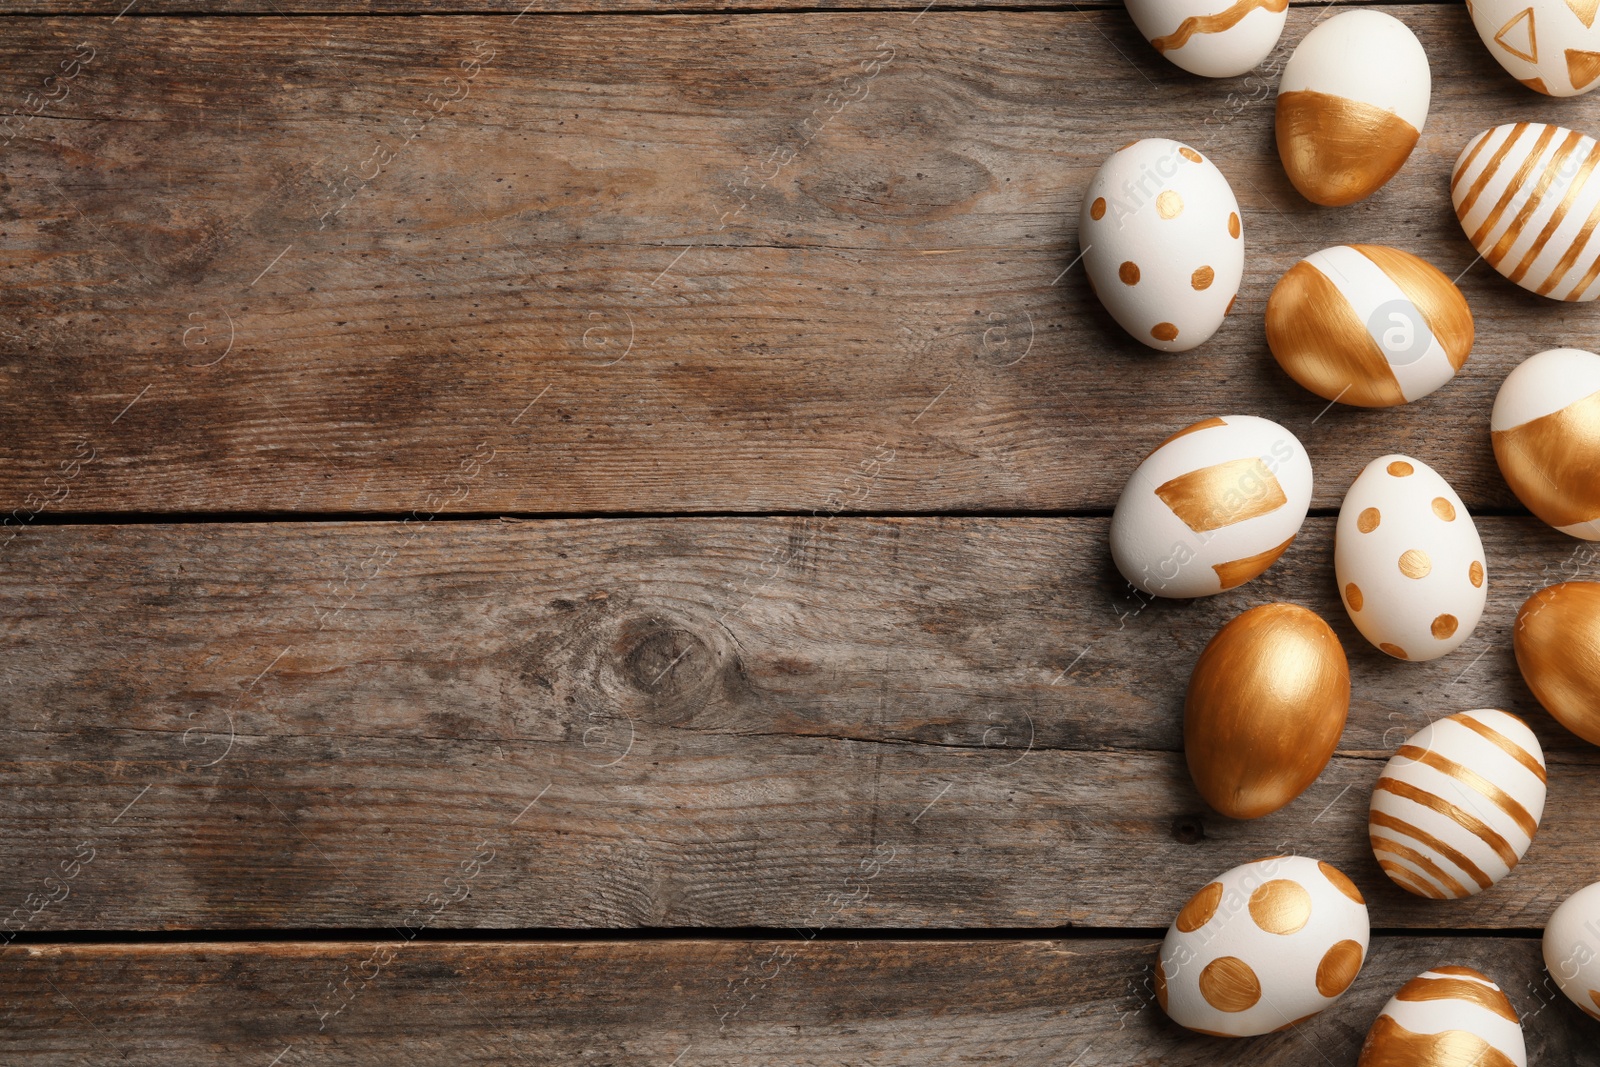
(1368,325)
(1572,948)
(1528,199)
(1557,643)
(1213,38)
(1551,46)
(1163,245)
(1446,1017)
(1212,507)
(1351,106)
(1457,806)
(1546,432)
(1266,945)
(1408,560)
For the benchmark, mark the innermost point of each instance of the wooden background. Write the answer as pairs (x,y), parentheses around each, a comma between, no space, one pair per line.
(577,534)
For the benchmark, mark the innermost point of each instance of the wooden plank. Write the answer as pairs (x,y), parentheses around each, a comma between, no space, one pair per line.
(514,8)
(691,1003)
(677,722)
(727,260)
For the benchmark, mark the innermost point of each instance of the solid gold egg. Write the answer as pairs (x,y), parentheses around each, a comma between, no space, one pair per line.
(1557,641)
(1267,703)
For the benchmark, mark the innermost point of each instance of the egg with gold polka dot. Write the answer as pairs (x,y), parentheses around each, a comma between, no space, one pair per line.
(1457,805)
(1268,944)
(1162,243)
(1572,948)
(1449,1016)
(1408,560)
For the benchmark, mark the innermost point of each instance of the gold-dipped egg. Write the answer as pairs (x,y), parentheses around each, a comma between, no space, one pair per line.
(1368,325)
(1557,642)
(1446,1017)
(1267,702)
(1546,433)
(1351,106)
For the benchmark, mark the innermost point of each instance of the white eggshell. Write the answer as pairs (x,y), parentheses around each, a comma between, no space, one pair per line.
(1553,465)
(1457,806)
(1203,37)
(1572,948)
(1524,193)
(1365,56)
(1408,559)
(1445,1017)
(1266,945)
(1551,46)
(1212,507)
(1162,243)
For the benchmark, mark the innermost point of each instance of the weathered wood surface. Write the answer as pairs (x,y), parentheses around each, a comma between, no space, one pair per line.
(732,257)
(691,1003)
(716,722)
(142,8)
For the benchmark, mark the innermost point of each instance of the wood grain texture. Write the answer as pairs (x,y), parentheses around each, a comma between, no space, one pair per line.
(692,1003)
(718,722)
(734,257)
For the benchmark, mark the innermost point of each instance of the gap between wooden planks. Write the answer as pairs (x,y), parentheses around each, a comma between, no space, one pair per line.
(663,263)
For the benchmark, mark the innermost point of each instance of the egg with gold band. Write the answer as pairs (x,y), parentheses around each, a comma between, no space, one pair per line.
(1551,46)
(1212,507)
(1266,945)
(1266,706)
(1368,325)
(1408,560)
(1457,806)
(1449,1016)
(1557,642)
(1351,105)
(1527,197)
(1213,38)
(1572,948)
(1546,432)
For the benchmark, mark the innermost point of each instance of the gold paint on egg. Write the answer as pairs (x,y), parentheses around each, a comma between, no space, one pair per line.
(1203,424)
(1190,154)
(1394,650)
(1231,301)
(1235,572)
(1444,509)
(1414,563)
(1228,984)
(1444,626)
(1504,744)
(1320,342)
(1391,1045)
(1097,210)
(1266,704)
(1281,906)
(1458,815)
(1448,851)
(1458,983)
(1223,494)
(1368,520)
(1169,205)
(1161,985)
(1201,907)
(1551,462)
(1164,331)
(1129,273)
(1339,967)
(1468,778)
(1220,22)
(1202,278)
(1442,305)
(1337,150)
(1233,225)
(1353,597)
(1389,846)
(1343,884)
(1400,469)
(1475,574)
(1557,643)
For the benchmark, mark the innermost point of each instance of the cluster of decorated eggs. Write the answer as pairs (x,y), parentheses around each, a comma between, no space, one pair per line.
(1216,504)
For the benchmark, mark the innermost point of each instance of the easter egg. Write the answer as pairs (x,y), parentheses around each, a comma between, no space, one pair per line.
(1368,325)
(1528,200)
(1572,948)
(1457,806)
(1446,1017)
(1212,507)
(1266,705)
(1214,38)
(1408,560)
(1351,104)
(1261,948)
(1551,46)
(1546,432)
(1162,243)
(1557,642)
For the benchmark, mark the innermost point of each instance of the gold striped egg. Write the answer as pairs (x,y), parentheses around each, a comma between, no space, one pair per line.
(1266,945)
(1546,432)
(1267,702)
(1351,104)
(1557,641)
(1529,201)
(1572,948)
(1457,806)
(1212,38)
(1446,1017)
(1368,325)
(1551,46)
(1212,507)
